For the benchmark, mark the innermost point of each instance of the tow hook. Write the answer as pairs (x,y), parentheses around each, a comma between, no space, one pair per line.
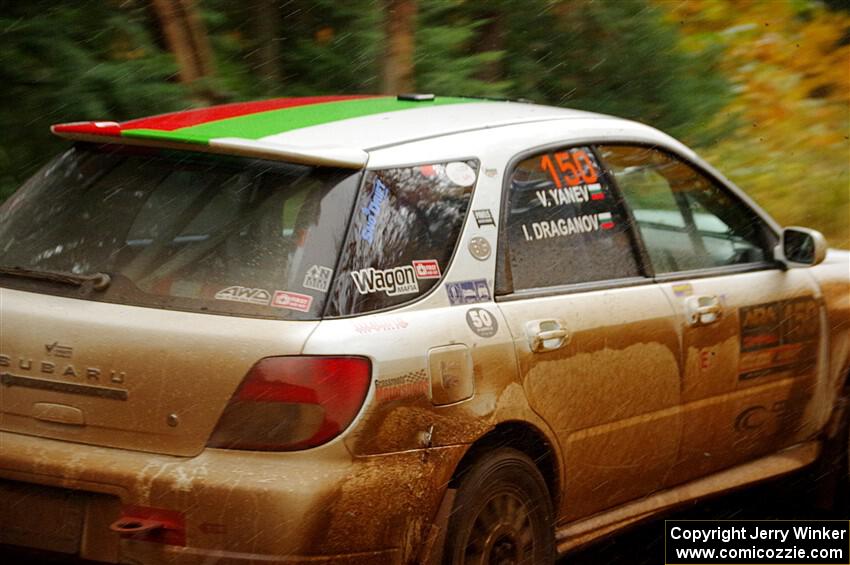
(131,525)
(157,525)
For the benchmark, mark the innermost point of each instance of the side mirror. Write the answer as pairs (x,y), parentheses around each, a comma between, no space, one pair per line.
(800,247)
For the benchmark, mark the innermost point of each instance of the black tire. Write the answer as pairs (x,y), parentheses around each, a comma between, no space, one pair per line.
(502,514)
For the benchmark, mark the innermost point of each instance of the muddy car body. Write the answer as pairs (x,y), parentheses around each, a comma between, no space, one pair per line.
(329,326)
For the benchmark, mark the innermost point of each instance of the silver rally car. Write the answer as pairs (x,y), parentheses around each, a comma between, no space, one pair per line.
(414,329)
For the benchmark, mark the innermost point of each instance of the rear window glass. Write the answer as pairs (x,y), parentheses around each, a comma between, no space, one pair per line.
(404,230)
(182,230)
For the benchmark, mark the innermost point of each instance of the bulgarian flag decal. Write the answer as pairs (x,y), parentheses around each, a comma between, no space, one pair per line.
(596,191)
(606,222)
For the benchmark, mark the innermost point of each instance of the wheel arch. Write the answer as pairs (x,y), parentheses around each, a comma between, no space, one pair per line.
(524,437)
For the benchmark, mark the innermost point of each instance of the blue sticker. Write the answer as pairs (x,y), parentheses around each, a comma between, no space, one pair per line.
(373,209)
(468,292)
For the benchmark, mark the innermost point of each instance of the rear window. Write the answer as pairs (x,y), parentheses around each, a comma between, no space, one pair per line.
(403,233)
(182,230)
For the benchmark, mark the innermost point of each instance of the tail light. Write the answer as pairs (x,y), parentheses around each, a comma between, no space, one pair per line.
(289,403)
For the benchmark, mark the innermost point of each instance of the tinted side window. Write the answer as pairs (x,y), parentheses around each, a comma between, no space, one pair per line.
(564,223)
(403,232)
(686,220)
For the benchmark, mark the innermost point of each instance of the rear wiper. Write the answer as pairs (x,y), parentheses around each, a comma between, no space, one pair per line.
(100,281)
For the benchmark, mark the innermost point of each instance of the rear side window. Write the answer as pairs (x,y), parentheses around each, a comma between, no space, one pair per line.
(565,224)
(403,232)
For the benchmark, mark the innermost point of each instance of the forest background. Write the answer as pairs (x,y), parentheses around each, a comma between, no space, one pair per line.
(760,88)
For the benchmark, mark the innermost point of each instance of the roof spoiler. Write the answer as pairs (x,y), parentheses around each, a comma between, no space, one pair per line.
(111,132)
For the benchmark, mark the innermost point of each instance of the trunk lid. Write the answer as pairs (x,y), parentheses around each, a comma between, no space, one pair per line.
(124,376)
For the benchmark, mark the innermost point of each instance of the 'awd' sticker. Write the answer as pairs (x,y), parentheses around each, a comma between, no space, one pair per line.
(292,301)
(468,292)
(318,278)
(395,281)
(244,294)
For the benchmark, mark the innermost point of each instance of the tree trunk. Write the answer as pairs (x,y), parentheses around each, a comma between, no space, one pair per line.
(400,22)
(265,58)
(186,37)
(492,38)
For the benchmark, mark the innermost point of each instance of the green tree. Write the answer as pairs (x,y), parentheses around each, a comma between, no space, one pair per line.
(70,60)
(619,58)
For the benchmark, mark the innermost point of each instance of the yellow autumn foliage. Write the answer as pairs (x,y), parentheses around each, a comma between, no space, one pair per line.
(789,63)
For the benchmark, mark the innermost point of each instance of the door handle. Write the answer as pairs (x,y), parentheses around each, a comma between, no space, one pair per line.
(703,310)
(547,335)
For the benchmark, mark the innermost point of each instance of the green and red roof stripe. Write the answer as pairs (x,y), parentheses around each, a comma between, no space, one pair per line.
(251,120)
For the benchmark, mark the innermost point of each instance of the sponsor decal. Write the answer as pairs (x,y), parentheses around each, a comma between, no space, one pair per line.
(586,223)
(706,359)
(318,278)
(414,383)
(484,217)
(244,294)
(682,290)
(468,292)
(395,281)
(778,339)
(782,412)
(378,326)
(372,210)
(482,322)
(292,301)
(427,269)
(460,173)
(479,248)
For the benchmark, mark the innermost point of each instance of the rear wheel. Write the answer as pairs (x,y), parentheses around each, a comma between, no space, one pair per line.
(502,514)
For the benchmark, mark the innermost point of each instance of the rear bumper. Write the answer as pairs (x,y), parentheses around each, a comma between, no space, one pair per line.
(322,505)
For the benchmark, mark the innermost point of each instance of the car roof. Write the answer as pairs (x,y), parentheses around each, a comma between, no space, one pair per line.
(333,130)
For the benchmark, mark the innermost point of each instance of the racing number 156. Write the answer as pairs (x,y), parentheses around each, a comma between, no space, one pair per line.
(572,168)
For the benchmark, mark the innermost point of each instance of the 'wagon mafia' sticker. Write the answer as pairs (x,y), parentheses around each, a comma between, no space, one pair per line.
(392,282)
(779,339)
(244,294)
(397,280)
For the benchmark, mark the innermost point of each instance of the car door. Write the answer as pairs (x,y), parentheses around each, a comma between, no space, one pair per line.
(597,342)
(750,330)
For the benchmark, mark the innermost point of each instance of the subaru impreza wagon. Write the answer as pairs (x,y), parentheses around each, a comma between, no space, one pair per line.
(414,329)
